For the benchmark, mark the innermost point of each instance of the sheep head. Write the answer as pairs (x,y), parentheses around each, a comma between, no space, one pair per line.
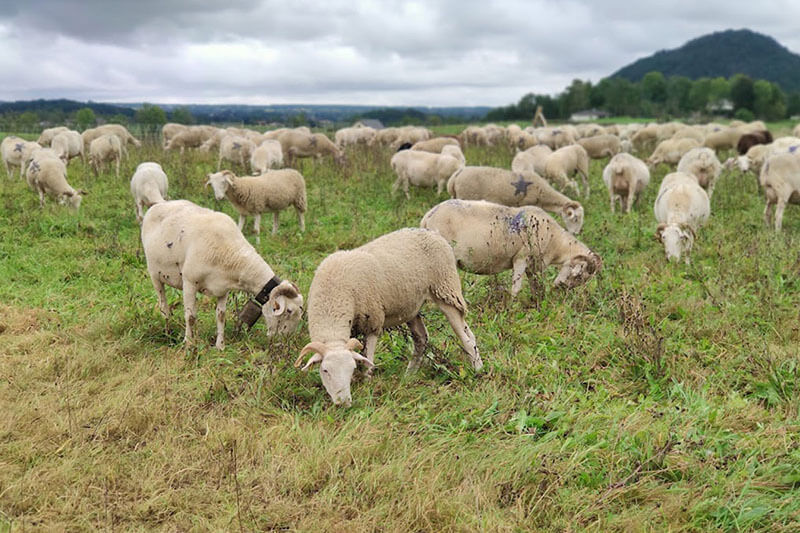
(578,270)
(336,368)
(572,213)
(284,309)
(677,240)
(220,182)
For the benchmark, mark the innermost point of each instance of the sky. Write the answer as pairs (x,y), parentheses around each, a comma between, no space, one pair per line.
(430,53)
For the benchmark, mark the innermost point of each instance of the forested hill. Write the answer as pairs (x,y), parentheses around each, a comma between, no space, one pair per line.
(723,54)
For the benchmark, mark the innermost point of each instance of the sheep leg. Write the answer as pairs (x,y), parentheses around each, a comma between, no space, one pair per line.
(118,158)
(275,218)
(768,213)
(420,337)
(613,201)
(710,190)
(241,223)
(629,202)
(585,180)
(301,218)
(257,225)
(8,172)
(779,207)
(139,212)
(221,301)
(163,306)
(41,199)
(370,343)
(464,334)
(189,310)
(519,265)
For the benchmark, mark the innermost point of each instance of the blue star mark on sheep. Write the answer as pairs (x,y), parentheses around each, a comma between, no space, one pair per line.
(18,147)
(34,167)
(521,186)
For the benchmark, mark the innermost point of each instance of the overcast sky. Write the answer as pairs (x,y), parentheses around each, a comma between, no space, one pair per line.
(346,52)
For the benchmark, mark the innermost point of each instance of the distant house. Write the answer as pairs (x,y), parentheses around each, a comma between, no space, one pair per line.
(588,114)
(370,123)
(723,105)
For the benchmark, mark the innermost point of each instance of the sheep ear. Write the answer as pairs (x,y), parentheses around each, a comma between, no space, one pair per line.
(659,232)
(287,289)
(687,228)
(279,305)
(361,359)
(316,358)
(318,348)
(354,345)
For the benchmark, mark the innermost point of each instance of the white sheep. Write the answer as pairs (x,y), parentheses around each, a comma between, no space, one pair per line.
(106,147)
(702,163)
(380,285)
(681,208)
(601,146)
(109,129)
(532,160)
(515,189)
(436,144)
(195,249)
(625,177)
(454,151)
(46,137)
(35,156)
(267,155)
(299,144)
(48,176)
(423,169)
(15,153)
(170,130)
(780,178)
(235,149)
(354,136)
(564,163)
(68,144)
(148,187)
(272,191)
(670,151)
(489,238)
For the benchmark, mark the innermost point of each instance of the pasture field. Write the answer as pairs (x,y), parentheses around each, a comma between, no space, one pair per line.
(658,397)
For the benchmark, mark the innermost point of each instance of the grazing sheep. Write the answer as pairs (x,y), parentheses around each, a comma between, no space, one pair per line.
(681,207)
(671,151)
(489,238)
(702,163)
(46,137)
(454,151)
(564,163)
(235,149)
(722,139)
(646,136)
(267,155)
(555,138)
(601,146)
(423,169)
(354,136)
(170,130)
(298,144)
(780,178)
(386,136)
(380,285)
(412,134)
(690,132)
(196,249)
(68,144)
(625,177)
(148,187)
(108,129)
(189,137)
(532,160)
(436,144)
(16,152)
(107,147)
(474,136)
(515,190)
(35,156)
(48,176)
(748,140)
(796,131)
(272,191)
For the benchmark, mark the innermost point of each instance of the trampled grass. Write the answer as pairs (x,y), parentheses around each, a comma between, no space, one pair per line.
(657,397)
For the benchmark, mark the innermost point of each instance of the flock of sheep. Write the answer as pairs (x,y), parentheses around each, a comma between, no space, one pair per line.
(497,219)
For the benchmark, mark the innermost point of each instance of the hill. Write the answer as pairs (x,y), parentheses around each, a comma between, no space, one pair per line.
(723,54)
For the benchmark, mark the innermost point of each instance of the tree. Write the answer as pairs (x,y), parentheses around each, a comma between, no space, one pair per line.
(742,92)
(27,121)
(85,118)
(654,87)
(151,115)
(700,94)
(119,118)
(768,100)
(575,98)
(678,89)
(182,115)
(719,89)
(793,105)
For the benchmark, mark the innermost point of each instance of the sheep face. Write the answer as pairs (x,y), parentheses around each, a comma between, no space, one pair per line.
(677,240)
(219,183)
(336,368)
(72,199)
(573,217)
(284,309)
(577,271)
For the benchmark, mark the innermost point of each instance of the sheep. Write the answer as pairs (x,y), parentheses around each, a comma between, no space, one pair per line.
(513,135)
(108,129)
(355,135)
(515,189)
(170,130)
(601,146)
(423,169)
(796,131)
(454,151)
(645,136)
(48,176)
(489,238)
(748,140)
(532,160)
(380,285)
(702,163)
(235,149)
(780,178)
(196,249)
(722,139)
(148,187)
(555,138)
(671,151)
(474,136)
(386,136)
(36,154)
(273,191)
(107,147)
(267,155)
(681,207)
(626,177)
(565,162)
(435,145)
(411,134)
(68,144)
(16,152)
(298,144)
(46,137)
(193,137)
(690,132)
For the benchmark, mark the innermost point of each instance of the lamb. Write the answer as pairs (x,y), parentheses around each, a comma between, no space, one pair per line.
(436,144)
(267,155)
(148,187)
(601,146)
(16,152)
(702,163)
(423,169)
(515,189)
(671,151)
(46,137)
(273,191)
(107,147)
(681,207)
(748,140)
(532,160)
(489,238)
(196,249)
(780,178)
(626,177)
(235,149)
(565,162)
(48,176)
(298,144)
(68,144)
(380,285)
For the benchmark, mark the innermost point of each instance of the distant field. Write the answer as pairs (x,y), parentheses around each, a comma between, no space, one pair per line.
(658,397)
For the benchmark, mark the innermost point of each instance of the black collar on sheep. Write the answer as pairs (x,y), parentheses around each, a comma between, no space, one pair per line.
(252,309)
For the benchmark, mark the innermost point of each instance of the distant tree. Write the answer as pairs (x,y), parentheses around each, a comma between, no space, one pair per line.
(151,116)
(575,98)
(654,87)
(793,104)
(85,118)
(623,97)
(744,114)
(719,89)
(678,89)
(700,94)
(768,100)
(298,120)
(742,93)
(118,118)
(27,121)
(182,115)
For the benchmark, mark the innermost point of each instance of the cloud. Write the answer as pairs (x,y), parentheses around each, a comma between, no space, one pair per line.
(360,51)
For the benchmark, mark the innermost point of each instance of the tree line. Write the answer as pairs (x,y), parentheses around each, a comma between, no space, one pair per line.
(661,97)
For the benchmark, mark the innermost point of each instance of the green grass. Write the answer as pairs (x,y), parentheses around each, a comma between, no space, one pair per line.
(658,397)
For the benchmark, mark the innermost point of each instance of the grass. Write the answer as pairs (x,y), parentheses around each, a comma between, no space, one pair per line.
(658,397)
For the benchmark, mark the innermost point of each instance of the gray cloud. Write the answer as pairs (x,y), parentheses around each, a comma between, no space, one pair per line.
(359,51)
